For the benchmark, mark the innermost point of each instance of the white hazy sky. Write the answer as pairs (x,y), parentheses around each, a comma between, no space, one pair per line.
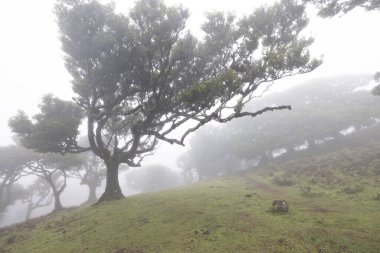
(31,61)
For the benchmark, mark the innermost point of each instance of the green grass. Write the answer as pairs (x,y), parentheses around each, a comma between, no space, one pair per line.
(230,214)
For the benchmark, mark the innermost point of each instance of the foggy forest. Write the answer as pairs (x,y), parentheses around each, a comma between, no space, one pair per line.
(185,126)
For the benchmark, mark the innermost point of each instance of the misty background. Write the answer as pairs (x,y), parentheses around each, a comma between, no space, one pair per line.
(32,65)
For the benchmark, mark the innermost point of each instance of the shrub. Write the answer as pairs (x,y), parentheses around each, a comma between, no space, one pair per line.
(353,189)
(283,181)
(309,192)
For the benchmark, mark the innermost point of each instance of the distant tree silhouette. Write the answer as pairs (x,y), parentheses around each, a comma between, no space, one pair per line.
(12,160)
(152,178)
(322,110)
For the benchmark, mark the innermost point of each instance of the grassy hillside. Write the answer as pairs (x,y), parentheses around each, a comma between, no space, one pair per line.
(334,207)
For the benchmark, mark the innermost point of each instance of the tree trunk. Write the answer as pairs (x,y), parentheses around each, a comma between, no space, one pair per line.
(264,159)
(291,153)
(91,194)
(5,198)
(57,201)
(113,190)
(311,144)
(29,211)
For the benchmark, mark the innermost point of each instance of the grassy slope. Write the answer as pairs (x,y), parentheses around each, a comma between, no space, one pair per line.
(329,212)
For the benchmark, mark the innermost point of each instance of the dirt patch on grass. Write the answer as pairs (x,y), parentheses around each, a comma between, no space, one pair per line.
(256,184)
(319,210)
(124,250)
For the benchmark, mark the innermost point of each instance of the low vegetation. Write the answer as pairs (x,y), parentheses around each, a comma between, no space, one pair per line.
(333,207)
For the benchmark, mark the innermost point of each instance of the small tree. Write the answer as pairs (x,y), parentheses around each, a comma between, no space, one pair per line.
(10,195)
(140,78)
(12,159)
(91,173)
(38,195)
(54,169)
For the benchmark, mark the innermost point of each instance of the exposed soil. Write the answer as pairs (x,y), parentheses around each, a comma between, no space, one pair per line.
(256,184)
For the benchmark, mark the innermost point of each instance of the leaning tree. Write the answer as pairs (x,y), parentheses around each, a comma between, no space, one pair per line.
(91,173)
(54,169)
(38,195)
(142,78)
(12,160)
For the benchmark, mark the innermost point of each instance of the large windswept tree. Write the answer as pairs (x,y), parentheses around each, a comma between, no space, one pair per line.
(142,78)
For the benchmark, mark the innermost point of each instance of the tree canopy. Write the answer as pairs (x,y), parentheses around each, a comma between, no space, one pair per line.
(54,129)
(139,78)
(330,8)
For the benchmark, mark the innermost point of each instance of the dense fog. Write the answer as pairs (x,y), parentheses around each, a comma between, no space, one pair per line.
(211,77)
(327,114)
